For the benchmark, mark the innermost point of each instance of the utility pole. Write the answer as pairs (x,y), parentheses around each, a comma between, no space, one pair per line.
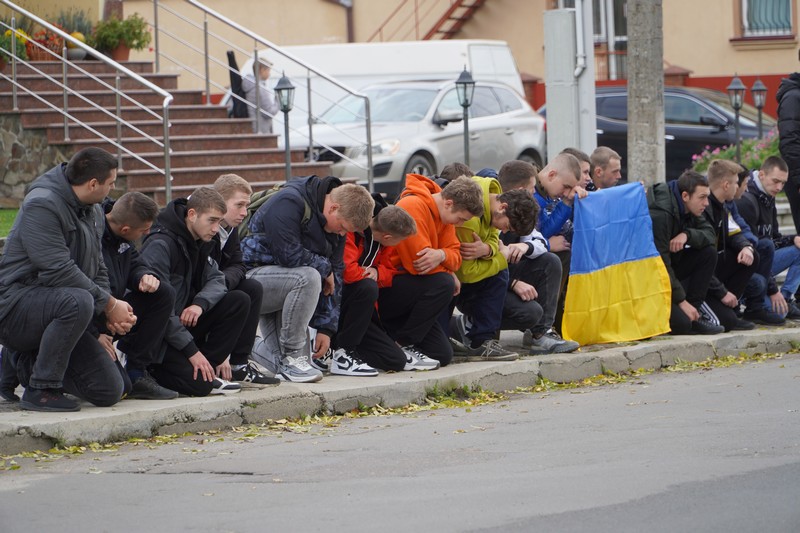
(646,160)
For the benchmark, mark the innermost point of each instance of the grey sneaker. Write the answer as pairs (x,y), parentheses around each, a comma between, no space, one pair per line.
(146,388)
(296,368)
(416,360)
(491,350)
(551,342)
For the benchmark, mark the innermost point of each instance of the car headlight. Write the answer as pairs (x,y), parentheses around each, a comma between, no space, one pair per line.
(386,147)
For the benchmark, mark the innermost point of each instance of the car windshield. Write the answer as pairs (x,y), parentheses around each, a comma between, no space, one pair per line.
(748,113)
(387,104)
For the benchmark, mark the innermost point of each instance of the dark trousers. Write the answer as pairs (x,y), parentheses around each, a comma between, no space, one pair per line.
(792,190)
(410,308)
(733,274)
(360,328)
(726,315)
(48,329)
(152,309)
(215,334)
(244,344)
(544,273)
(482,302)
(755,291)
(565,257)
(694,268)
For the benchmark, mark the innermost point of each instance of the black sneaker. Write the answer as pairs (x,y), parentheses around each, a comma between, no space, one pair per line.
(794,312)
(250,373)
(765,317)
(47,400)
(742,325)
(221,387)
(702,326)
(146,388)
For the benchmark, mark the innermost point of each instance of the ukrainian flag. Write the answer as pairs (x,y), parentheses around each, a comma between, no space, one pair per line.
(618,285)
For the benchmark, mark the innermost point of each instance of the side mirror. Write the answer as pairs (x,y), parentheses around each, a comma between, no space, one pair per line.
(711,120)
(443,119)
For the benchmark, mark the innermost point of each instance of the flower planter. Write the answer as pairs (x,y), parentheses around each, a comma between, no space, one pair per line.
(121,52)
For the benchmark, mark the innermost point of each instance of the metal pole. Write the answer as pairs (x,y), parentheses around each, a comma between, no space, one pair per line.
(257,82)
(760,124)
(370,176)
(155,32)
(738,139)
(286,146)
(14,104)
(66,94)
(167,168)
(311,156)
(119,122)
(205,49)
(466,135)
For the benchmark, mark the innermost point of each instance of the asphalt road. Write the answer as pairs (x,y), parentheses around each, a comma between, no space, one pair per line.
(711,451)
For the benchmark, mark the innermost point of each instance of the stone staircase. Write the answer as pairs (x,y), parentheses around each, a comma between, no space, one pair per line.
(205,142)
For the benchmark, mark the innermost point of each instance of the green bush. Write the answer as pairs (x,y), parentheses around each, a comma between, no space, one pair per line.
(754,152)
(133,31)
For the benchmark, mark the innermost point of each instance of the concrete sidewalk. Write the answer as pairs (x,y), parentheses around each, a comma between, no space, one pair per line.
(28,431)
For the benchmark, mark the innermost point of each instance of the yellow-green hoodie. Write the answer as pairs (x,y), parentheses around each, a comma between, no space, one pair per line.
(475,270)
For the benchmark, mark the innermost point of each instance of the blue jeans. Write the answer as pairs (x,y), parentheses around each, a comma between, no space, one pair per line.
(788,258)
(482,302)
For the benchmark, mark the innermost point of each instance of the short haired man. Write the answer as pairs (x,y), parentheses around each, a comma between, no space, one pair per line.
(606,167)
(299,265)
(236,192)
(267,103)
(132,280)
(207,318)
(53,284)
(686,241)
(757,206)
(586,166)
(737,259)
(422,290)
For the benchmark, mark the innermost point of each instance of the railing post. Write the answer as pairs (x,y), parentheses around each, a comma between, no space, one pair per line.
(64,66)
(311,156)
(119,122)
(257,87)
(416,19)
(370,177)
(14,104)
(167,170)
(155,36)
(205,49)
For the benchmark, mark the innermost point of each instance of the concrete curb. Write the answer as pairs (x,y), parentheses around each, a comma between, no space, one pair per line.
(27,431)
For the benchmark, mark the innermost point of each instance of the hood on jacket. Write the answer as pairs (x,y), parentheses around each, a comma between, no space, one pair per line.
(424,188)
(313,189)
(788,84)
(173,219)
(673,186)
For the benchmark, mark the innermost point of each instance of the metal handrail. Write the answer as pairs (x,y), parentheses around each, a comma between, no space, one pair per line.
(259,41)
(118,68)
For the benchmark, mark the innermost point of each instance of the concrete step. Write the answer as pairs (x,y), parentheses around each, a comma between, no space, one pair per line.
(79,67)
(223,126)
(38,118)
(203,142)
(105,99)
(212,158)
(82,82)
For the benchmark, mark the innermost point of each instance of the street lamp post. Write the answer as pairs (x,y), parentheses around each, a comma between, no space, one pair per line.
(285,91)
(759,91)
(736,94)
(465,88)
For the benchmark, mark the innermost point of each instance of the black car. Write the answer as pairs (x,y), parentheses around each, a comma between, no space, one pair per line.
(693,120)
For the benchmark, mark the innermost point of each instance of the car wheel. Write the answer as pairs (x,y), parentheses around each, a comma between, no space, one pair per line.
(531,157)
(420,164)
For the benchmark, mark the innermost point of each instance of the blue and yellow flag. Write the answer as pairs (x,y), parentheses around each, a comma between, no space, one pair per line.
(618,285)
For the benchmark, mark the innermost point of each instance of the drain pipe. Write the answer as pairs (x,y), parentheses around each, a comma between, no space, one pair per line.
(580,51)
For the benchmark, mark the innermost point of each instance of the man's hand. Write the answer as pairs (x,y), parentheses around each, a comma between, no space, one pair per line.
(730,300)
(223,370)
(578,191)
(797,241)
(190,315)
(475,249)
(779,304)
(201,366)
(457,289)
(107,342)
(327,285)
(678,242)
(689,310)
(148,283)
(516,252)
(322,342)
(525,291)
(559,243)
(119,316)
(428,259)
(371,273)
(745,256)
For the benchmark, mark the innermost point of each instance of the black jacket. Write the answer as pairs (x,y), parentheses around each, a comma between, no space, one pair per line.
(761,214)
(125,267)
(229,258)
(173,253)
(788,97)
(717,215)
(669,219)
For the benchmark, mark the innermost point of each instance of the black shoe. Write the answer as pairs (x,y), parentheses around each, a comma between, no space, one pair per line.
(8,394)
(742,325)
(250,373)
(47,400)
(765,317)
(794,312)
(701,326)
(146,388)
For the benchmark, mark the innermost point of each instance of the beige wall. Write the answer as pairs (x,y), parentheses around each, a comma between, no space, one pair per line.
(48,9)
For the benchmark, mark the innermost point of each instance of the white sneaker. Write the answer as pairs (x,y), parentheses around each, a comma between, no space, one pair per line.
(347,363)
(416,360)
(323,364)
(221,386)
(296,368)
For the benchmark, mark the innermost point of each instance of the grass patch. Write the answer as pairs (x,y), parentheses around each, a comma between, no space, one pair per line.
(7,217)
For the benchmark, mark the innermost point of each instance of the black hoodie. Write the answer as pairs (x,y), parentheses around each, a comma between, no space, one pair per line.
(788,97)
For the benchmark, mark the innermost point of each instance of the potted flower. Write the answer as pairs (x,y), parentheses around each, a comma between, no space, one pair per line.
(42,41)
(77,23)
(118,37)
(6,45)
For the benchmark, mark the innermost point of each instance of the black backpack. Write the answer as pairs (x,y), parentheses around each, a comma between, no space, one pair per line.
(239,107)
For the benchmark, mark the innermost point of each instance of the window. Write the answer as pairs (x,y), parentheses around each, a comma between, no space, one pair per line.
(680,110)
(484,104)
(508,102)
(766,18)
(613,107)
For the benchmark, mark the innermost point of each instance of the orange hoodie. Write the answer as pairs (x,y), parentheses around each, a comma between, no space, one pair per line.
(417,200)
